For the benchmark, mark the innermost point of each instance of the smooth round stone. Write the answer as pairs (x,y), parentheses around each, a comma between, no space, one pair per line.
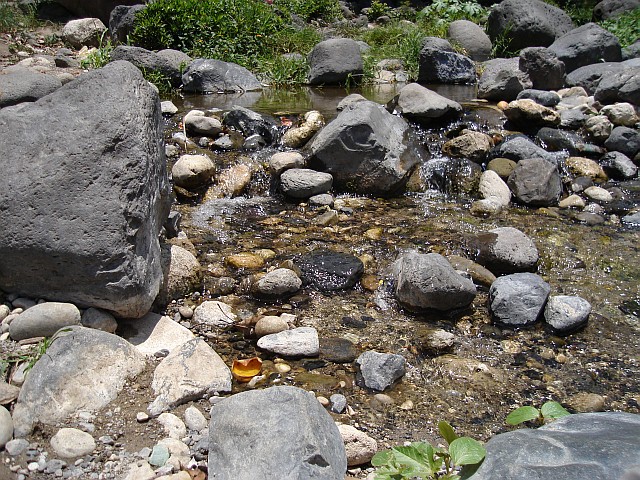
(194,419)
(44,320)
(270,324)
(72,443)
(168,108)
(142,417)
(16,447)
(278,283)
(584,167)
(566,313)
(359,446)
(380,401)
(324,401)
(245,260)
(99,319)
(299,342)
(572,201)
(6,426)
(173,426)
(598,194)
(321,200)
(585,402)
(435,340)
(193,171)
(502,166)
(282,368)
(338,350)
(185,312)
(281,161)
(4,312)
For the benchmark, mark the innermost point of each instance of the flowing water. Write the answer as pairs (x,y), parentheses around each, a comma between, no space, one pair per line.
(490,370)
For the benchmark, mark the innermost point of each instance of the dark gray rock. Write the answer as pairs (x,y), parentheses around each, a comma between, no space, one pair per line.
(147,60)
(100,197)
(83,369)
(428,281)
(334,61)
(548,99)
(97,8)
(367,150)
(633,219)
(215,76)
(378,371)
(631,52)
(327,271)
(565,313)
(613,8)
(536,182)
(44,320)
(441,66)
(543,67)
(618,166)
(589,76)
(121,21)
(597,446)
(472,38)
(22,85)
(437,43)
(625,140)
(586,45)
(519,148)
(572,119)
(505,250)
(304,183)
(302,440)
(338,349)
(518,299)
(251,123)
(556,140)
(527,23)
(175,58)
(502,79)
(453,176)
(419,104)
(622,86)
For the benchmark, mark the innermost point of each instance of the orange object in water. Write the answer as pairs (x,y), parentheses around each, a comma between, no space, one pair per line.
(245,370)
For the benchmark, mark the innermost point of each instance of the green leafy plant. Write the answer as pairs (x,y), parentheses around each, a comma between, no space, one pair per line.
(13,18)
(442,12)
(29,357)
(626,27)
(548,411)
(327,10)
(100,56)
(423,460)
(378,9)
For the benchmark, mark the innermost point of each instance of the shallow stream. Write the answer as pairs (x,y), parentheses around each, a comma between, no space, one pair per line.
(490,370)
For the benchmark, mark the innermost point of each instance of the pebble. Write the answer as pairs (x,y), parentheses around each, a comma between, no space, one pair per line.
(585,402)
(338,403)
(324,401)
(6,426)
(142,417)
(71,443)
(16,447)
(598,193)
(359,446)
(572,201)
(194,419)
(4,312)
(185,312)
(246,260)
(173,426)
(8,393)
(99,319)
(298,342)
(282,368)
(159,455)
(270,324)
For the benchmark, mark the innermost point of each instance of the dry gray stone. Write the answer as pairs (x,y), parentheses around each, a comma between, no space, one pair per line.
(586,45)
(83,369)
(420,104)
(378,371)
(193,171)
(472,38)
(302,441)
(215,76)
(72,443)
(502,79)
(298,342)
(277,284)
(22,85)
(99,319)
(518,299)
(332,61)
(83,31)
(44,320)
(543,67)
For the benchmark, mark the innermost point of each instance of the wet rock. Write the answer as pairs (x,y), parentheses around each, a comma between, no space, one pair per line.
(359,446)
(505,250)
(572,201)
(422,105)
(542,97)
(618,166)
(281,161)
(543,67)
(518,299)
(246,260)
(479,274)
(598,194)
(633,219)
(147,61)
(299,136)
(589,76)
(304,182)
(556,140)
(337,350)
(91,194)
(566,313)
(625,140)
(586,45)
(435,340)
(584,402)
(8,393)
(430,282)
(197,122)
(193,171)
(270,324)
(454,176)
(277,284)
(442,65)
(493,188)
(572,119)
(502,166)
(598,127)
(44,320)
(378,371)
(22,85)
(333,61)
(322,200)
(188,373)
(348,100)
(520,148)
(83,31)
(530,114)
(82,367)
(524,23)
(298,342)
(72,443)
(251,123)
(366,149)
(536,182)
(472,145)
(588,445)
(471,38)
(208,75)
(153,333)
(584,167)
(623,86)
(327,271)
(6,426)
(303,441)
(621,114)
(502,79)
(99,319)
(214,313)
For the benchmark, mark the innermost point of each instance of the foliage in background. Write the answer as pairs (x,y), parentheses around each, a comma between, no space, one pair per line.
(378,9)
(99,57)
(441,13)
(14,18)
(626,27)
(548,411)
(424,461)
(327,10)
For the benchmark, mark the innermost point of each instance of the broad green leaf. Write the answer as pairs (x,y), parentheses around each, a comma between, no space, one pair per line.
(416,457)
(446,430)
(382,458)
(553,410)
(522,414)
(389,472)
(466,451)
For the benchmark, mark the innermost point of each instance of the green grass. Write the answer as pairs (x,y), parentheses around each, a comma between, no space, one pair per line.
(13,18)
(626,27)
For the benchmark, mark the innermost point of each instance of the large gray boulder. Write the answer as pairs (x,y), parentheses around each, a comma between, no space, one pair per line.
(121,21)
(536,182)
(589,76)
(367,150)
(84,369)
(623,86)
(613,8)
(285,428)
(334,61)
(419,104)
(543,67)
(98,200)
(443,65)
(586,45)
(502,79)
(472,38)
(518,299)
(22,85)
(597,446)
(215,76)
(147,60)
(519,148)
(527,23)
(428,281)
